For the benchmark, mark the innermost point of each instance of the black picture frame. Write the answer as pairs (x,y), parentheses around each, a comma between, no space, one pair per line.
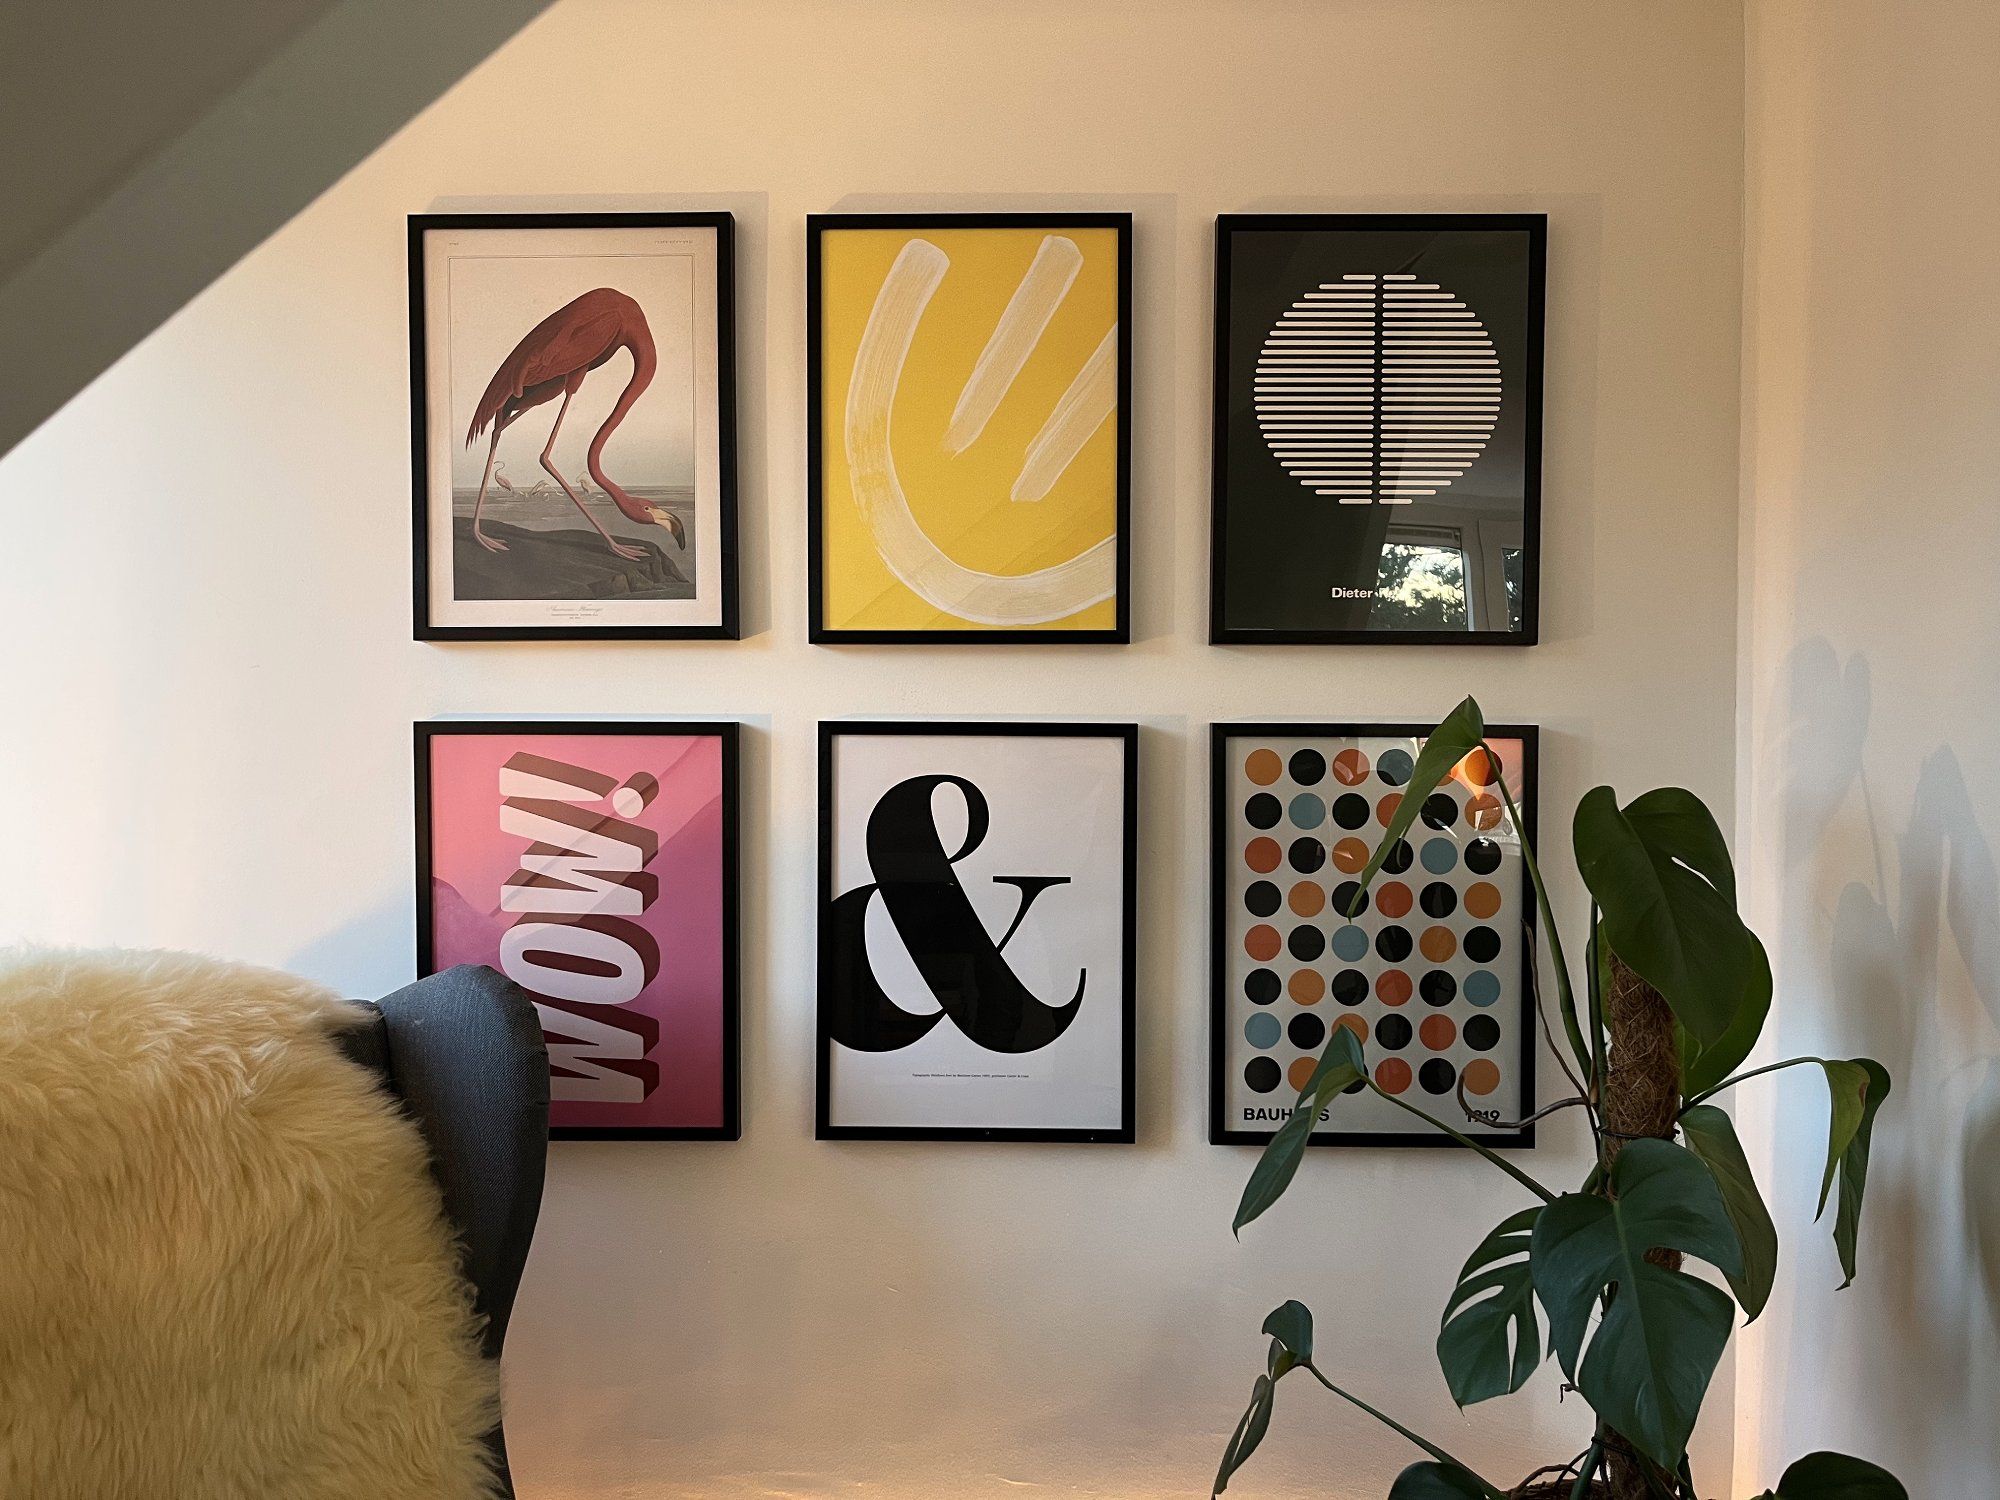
(817,631)
(728,627)
(1128,736)
(1222,629)
(1219,1134)
(728,731)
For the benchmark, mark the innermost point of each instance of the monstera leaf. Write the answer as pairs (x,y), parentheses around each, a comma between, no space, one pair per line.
(1712,1137)
(1340,1066)
(1489,1342)
(1435,1481)
(1835,1476)
(1660,872)
(1704,1066)
(1663,1332)
(1248,1434)
(1857,1088)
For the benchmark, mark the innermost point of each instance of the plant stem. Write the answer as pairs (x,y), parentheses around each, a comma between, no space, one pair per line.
(1735,1078)
(1565,994)
(1591,1460)
(1388,1421)
(1465,1140)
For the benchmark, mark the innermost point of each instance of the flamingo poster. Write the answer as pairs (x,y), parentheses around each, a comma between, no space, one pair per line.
(594,864)
(573,416)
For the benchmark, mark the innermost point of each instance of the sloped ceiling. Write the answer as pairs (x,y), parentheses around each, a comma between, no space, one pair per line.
(149,146)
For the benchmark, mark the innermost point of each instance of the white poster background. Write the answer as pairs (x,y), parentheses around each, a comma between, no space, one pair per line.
(1056,807)
(484,289)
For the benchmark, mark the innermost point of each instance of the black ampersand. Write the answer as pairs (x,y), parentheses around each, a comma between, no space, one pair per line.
(959,961)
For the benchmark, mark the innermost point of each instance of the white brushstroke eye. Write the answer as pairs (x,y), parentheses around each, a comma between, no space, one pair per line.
(1377,390)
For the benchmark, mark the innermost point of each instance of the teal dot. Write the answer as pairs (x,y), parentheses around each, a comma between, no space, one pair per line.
(1439,855)
(1482,986)
(1394,766)
(1350,943)
(1308,811)
(1262,1030)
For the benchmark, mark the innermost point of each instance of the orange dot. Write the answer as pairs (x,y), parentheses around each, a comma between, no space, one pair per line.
(1438,1032)
(1481,1077)
(1437,944)
(1392,987)
(1307,986)
(1263,767)
(1307,899)
(1392,1075)
(1483,811)
(1262,855)
(1350,856)
(1350,768)
(1482,900)
(1393,899)
(1354,1024)
(1300,1073)
(1480,768)
(1386,808)
(1261,942)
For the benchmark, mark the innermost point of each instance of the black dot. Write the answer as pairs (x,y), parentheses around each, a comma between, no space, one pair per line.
(1306,855)
(1438,900)
(1440,810)
(1481,1033)
(1482,856)
(1482,945)
(1393,943)
(1262,898)
(1307,767)
(1306,943)
(1350,986)
(1262,1074)
(1437,1076)
(1349,900)
(1438,988)
(1350,810)
(1260,986)
(1307,1031)
(1393,1032)
(1399,857)
(1263,811)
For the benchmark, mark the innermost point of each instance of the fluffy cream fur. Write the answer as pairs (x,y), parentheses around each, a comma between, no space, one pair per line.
(224,1270)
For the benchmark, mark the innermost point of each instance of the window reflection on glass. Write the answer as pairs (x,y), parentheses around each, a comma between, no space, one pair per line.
(1513,569)
(1420,585)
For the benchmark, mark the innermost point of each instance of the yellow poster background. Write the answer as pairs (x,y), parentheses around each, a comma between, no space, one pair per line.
(961,500)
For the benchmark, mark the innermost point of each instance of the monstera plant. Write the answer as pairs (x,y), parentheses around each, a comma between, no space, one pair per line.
(1673,991)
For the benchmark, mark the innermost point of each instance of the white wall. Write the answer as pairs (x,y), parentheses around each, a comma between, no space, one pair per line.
(206,577)
(1871,744)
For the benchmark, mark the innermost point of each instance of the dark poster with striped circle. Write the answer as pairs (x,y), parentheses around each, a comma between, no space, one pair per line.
(1378,428)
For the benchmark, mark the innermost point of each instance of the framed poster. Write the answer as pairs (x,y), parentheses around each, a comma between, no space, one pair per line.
(1378,428)
(976,931)
(573,426)
(594,864)
(969,426)
(1434,974)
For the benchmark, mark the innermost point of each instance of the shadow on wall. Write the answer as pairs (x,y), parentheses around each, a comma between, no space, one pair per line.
(1905,945)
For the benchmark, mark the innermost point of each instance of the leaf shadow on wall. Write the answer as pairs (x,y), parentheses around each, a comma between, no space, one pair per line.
(1908,959)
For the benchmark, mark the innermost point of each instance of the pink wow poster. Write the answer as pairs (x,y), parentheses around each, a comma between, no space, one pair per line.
(594,864)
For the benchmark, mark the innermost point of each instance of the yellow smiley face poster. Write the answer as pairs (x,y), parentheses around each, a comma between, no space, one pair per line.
(969,447)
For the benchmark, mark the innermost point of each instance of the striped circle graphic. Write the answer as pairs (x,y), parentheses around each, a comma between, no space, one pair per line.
(1377,390)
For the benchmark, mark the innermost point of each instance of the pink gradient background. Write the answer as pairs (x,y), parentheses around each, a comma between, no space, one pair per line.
(470,857)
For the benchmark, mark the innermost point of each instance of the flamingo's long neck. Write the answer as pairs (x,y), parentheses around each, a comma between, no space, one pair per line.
(644,362)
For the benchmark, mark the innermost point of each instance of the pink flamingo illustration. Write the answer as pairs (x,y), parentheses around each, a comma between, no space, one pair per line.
(553,359)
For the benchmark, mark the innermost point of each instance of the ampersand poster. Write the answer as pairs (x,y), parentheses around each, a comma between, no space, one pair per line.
(975,939)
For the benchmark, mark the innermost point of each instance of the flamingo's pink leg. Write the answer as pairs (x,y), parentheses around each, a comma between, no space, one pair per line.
(630,554)
(479,505)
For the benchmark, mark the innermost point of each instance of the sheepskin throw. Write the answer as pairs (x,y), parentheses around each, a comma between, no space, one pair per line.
(224,1270)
